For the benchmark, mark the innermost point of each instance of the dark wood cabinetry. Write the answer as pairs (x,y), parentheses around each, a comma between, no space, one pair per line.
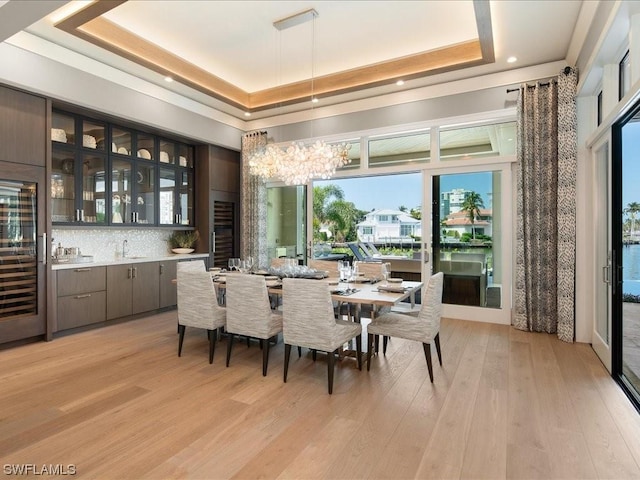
(112,175)
(132,289)
(23,153)
(168,291)
(23,127)
(218,198)
(82,297)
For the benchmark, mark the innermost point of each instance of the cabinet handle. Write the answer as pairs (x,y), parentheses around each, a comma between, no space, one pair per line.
(176,218)
(82,215)
(135,272)
(161,268)
(81,269)
(77,215)
(87,295)
(129,272)
(213,242)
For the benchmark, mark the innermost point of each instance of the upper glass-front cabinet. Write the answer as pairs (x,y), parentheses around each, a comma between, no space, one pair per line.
(108,175)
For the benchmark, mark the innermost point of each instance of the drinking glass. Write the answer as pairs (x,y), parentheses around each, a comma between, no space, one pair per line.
(249,263)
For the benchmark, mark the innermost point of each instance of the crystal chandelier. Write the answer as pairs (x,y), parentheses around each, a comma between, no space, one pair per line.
(297,163)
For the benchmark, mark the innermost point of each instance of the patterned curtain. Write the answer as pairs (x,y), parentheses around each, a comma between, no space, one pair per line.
(546,207)
(253,204)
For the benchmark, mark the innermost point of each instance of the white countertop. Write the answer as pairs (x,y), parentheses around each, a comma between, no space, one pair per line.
(128,260)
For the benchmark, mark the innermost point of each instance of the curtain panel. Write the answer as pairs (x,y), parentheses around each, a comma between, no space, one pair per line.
(546,207)
(253,204)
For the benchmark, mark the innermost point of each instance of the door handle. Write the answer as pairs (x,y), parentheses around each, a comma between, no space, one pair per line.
(213,242)
(606,274)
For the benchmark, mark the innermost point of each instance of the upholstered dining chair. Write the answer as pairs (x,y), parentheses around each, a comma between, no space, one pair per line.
(197,303)
(425,328)
(308,321)
(249,313)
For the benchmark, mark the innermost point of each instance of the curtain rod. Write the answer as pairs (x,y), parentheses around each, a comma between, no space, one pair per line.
(566,71)
(509,90)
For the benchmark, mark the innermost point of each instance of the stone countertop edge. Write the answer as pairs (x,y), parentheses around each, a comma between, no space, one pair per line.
(127,260)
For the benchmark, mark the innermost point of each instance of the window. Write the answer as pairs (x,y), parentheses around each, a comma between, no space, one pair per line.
(624,75)
(599,108)
(383,218)
(367,230)
(354,156)
(400,150)
(478,141)
(406,230)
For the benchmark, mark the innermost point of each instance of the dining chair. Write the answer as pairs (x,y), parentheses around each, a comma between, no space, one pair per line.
(308,321)
(249,313)
(197,303)
(425,328)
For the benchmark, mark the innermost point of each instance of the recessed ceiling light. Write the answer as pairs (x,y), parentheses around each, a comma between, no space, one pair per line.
(512,59)
(247,114)
(168,79)
(400,83)
(314,100)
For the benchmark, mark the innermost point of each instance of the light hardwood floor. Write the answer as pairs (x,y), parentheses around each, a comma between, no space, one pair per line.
(118,403)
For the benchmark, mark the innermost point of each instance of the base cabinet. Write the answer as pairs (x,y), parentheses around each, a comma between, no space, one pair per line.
(168,289)
(132,289)
(82,297)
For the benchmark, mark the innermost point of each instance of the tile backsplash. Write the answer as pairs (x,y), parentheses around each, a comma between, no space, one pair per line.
(106,244)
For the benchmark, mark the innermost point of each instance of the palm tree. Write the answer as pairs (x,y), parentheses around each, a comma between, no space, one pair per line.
(321,200)
(632,209)
(472,204)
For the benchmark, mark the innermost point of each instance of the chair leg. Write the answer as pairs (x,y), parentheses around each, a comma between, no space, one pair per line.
(299,352)
(181,329)
(427,354)
(359,351)
(249,342)
(377,339)
(437,342)
(369,348)
(212,344)
(287,355)
(265,356)
(313,354)
(229,346)
(330,368)
(384,344)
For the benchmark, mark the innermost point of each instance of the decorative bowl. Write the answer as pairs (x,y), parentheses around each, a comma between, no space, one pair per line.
(394,280)
(182,250)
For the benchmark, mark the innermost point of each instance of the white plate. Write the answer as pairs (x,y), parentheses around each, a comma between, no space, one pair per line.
(114,148)
(144,153)
(123,151)
(183,161)
(164,157)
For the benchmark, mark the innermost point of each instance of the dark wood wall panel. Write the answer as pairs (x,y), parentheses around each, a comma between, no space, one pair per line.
(23,127)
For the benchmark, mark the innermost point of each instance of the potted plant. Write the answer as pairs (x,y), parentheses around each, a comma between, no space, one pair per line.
(183,241)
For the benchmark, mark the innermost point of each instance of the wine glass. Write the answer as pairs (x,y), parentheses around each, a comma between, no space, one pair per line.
(384,270)
(248,263)
(230,263)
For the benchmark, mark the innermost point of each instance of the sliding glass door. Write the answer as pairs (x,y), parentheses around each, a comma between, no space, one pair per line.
(469,241)
(625,214)
(286,222)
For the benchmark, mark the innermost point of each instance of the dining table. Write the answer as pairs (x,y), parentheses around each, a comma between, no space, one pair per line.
(375,293)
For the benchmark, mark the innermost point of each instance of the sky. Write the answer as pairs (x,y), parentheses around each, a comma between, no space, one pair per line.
(630,163)
(392,191)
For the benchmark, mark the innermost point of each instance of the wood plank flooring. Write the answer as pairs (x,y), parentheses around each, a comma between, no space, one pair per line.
(118,403)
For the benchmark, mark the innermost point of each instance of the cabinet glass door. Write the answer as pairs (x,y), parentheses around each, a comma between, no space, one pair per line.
(63,181)
(186,198)
(121,171)
(93,189)
(145,194)
(167,196)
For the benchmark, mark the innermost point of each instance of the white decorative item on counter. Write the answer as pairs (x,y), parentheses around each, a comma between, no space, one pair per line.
(182,250)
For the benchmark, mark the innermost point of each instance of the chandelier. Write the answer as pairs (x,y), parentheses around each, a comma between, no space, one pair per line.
(298,162)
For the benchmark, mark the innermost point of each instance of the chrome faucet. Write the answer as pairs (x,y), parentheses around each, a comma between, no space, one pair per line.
(124,248)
